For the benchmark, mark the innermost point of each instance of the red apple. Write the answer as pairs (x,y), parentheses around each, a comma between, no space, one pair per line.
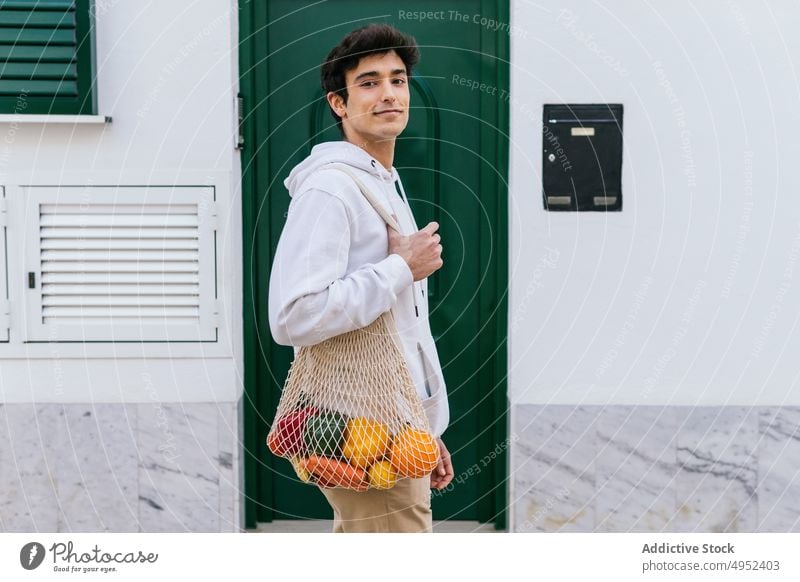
(286,440)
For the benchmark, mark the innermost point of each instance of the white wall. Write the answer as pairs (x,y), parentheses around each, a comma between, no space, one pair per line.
(167,75)
(689,295)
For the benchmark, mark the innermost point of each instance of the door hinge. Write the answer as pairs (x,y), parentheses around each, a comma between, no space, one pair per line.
(239,122)
(5,314)
(3,211)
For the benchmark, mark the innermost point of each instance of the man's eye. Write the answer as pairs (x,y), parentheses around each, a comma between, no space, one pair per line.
(400,81)
(368,84)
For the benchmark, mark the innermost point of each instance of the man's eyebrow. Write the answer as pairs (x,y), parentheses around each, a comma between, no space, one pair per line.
(375,74)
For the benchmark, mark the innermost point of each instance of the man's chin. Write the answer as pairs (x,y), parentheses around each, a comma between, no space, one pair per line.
(387,132)
(390,131)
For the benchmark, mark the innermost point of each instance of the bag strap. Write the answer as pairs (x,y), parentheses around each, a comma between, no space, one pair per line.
(376,204)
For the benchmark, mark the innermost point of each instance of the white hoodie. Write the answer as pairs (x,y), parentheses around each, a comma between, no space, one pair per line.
(331,272)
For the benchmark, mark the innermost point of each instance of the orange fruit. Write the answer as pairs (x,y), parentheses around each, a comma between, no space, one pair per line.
(382,475)
(415,453)
(365,441)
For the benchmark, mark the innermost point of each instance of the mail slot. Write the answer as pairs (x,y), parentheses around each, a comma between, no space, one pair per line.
(582,157)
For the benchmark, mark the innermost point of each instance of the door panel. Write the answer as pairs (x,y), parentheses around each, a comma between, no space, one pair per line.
(452,160)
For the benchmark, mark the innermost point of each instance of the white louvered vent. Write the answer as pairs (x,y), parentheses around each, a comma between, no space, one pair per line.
(126,270)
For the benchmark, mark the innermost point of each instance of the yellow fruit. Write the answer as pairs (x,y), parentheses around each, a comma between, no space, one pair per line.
(299,465)
(382,475)
(365,441)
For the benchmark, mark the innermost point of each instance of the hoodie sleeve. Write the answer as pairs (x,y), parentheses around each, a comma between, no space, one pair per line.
(310,297)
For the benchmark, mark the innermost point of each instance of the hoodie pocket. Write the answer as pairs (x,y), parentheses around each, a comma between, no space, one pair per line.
(433,377)
(425,370)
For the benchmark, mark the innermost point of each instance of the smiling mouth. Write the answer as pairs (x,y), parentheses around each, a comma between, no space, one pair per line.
(388,111)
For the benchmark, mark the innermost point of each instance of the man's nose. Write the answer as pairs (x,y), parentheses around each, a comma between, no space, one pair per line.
(389,91)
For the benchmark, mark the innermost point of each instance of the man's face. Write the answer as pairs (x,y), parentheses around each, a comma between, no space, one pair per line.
(378,99)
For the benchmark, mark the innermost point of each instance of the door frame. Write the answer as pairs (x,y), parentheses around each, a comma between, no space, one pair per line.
(492,295)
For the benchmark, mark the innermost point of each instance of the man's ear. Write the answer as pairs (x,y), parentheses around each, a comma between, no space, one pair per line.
(336,101)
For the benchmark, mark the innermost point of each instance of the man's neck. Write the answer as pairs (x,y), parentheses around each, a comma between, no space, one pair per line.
(383,151)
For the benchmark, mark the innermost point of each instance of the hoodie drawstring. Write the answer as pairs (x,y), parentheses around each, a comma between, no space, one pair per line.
(398,185)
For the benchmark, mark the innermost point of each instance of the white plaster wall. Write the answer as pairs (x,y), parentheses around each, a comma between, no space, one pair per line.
(167,74)
(690,294)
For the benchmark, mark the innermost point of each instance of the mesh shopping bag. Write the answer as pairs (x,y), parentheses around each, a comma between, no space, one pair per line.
(349,415)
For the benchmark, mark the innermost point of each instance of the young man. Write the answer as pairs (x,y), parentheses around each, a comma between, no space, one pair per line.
(338,266)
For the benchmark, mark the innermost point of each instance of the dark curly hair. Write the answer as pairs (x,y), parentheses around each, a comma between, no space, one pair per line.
(360,43)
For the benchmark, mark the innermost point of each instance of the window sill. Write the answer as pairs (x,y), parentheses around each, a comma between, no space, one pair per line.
(45,118)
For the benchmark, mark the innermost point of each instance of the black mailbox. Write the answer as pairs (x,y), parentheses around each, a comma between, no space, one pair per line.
(582,157)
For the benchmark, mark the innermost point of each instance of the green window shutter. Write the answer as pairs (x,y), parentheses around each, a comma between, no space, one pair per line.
(46,57)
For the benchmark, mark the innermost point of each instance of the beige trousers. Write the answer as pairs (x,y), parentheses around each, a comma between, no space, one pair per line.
(405,508)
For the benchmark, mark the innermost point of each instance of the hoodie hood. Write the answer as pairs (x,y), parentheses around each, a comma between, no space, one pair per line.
(336,151)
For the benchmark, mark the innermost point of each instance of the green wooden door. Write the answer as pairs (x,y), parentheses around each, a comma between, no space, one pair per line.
(453,162)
